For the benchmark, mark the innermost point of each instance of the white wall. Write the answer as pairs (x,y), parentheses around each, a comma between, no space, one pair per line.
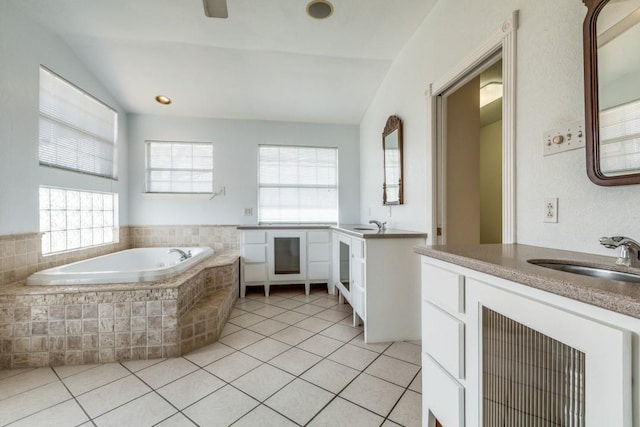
(24,45)
(549,93)
(235,166)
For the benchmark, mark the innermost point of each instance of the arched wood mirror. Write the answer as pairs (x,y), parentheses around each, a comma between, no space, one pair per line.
(392,149)
(612,91)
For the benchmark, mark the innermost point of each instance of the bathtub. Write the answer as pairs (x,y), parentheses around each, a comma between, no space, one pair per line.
(132,265)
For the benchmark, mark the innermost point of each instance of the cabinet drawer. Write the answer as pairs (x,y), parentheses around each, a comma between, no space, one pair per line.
(254,237)
(444,288)
(318,271)
(443,339)
(255,272)
(254,253)
(444,397)
(318,252)
(318,236)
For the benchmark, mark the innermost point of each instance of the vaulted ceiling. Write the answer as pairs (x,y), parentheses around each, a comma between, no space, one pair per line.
(269,60)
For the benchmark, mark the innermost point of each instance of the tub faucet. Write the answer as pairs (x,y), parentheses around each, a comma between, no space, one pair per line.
(183,255)
(381,225)
(629,250)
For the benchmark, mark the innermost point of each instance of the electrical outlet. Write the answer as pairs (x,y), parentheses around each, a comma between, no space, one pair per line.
(248,211)
(551,209)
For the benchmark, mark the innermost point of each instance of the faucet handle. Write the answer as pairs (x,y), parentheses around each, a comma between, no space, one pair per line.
(625,256)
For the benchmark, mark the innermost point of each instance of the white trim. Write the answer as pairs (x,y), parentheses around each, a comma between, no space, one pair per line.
(503,40)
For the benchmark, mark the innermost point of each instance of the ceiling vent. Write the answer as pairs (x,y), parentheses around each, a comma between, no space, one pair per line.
(319,9)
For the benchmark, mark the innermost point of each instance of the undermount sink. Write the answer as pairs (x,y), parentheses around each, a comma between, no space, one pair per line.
(364,228)
(584,270)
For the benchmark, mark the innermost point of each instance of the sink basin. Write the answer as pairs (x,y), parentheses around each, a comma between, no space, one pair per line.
(584,270)
(364,228)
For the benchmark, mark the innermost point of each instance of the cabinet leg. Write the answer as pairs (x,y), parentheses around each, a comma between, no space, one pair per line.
(307,288)
(356,319)
(243,290)
(266,289)
(340,297)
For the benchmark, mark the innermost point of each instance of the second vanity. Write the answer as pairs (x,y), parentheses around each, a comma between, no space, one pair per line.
(374,270)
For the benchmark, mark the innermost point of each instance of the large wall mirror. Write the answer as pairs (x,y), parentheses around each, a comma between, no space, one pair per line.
(612,91)
(392,149)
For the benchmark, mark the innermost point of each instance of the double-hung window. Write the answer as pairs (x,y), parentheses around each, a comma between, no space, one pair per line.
(179,167)
(297,184)
(77,132)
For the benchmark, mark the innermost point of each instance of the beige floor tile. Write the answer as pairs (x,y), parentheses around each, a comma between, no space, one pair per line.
(233,366)
(103,399)
(299,401)
(389,423)
(264,417)
(269,311)
(292,335)
(340,413)
(228,329)
(307,298)
(35,400)
(372,393)
(266,349)
(377,347)
(263,381)
(393,370)
(288,304)
(165,372)
(295,361)
(177,420)
(290,317)
(320,345)
(147,410)
(249,305)
(221,408)
(416,384)
(309,309)
(405,351)
(408,411)
(332,315)
(209,354)
(66,413)
(325,302)
(6,373)
(341,332)
(186,390)
(88,380)
(268,327)
(236,312)
(241,339)
(247,319)
(26,380)
(68,370)
(138,365)
(330,375)
(354,357)
(314,324)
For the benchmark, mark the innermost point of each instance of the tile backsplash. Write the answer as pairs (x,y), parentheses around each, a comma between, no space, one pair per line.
(21,255)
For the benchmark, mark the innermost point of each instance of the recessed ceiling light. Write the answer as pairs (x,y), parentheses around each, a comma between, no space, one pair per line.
(319,9)
(163,99)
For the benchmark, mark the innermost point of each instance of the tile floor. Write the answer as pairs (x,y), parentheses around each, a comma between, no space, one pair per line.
(285,360)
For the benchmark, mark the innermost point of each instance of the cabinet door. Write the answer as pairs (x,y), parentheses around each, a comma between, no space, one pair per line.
(287,256)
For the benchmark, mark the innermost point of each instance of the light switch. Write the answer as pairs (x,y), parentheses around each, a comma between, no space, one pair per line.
(569,137)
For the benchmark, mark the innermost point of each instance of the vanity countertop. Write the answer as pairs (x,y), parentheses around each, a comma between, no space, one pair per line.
(510,262)
(357,230)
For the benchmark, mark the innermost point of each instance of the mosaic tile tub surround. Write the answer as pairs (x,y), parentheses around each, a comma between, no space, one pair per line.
(69,325)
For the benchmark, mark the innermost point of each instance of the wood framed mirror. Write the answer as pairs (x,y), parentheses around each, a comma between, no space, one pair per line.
(612,91)
(392,149)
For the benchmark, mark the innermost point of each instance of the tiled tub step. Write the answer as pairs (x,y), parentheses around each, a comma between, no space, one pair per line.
(203,323)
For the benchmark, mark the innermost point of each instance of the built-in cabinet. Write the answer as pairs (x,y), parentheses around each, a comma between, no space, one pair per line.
(461,366)
(380,277)
(285,256)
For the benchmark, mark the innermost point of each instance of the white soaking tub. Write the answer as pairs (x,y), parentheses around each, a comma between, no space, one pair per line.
(129,266)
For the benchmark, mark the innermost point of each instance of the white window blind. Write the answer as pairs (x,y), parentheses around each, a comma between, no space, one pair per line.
(179,167)
(72,219)
(620,139)
(77,132)
(297,184)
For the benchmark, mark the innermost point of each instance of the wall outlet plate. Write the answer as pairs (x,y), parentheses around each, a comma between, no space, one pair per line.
(551,209)
(248,211)
(565,138)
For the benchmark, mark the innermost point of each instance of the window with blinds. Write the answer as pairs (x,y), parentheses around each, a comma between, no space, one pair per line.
(179,167)
(77,132)
(297,184)
(620,139)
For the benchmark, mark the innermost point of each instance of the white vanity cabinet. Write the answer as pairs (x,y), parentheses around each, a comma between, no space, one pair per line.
(379,275)
(292,255)
(455,303)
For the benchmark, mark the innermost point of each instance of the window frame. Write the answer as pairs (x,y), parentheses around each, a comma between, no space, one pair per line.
(335,187)
(61,124)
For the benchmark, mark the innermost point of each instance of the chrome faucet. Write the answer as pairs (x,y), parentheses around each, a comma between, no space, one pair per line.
(629,250)
(381,225)
(183,255)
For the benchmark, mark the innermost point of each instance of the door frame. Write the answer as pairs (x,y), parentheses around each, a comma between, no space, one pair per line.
(501,43)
